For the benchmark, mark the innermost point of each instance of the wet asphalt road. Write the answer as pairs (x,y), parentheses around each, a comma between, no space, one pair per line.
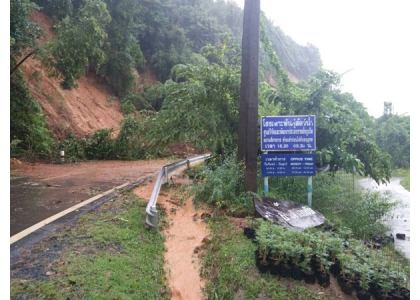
(36,200)
(401,221)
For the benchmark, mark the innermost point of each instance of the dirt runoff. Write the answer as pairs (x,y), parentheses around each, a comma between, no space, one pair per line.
(185,233)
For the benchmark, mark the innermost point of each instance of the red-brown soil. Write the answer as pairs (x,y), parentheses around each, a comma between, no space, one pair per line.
(82,110)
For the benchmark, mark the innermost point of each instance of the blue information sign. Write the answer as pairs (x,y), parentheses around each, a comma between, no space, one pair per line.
(288,133)
(299,164)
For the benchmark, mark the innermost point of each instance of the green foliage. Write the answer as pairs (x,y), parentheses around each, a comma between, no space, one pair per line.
(15,150)
(289,188)
(366,213)
(57,9)
(24,34)
(341,135)
(129,142)
(137,55)
(100,145)
(151,98)
(127,145)
(201,104)
(124,54)
(278,243)
(127,107)
(393,137)
(78,44)
(377,164)
(222,187)
(29,132)
(282,77)
(118,72)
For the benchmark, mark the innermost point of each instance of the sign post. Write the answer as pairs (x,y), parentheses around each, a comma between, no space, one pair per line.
(265,182)
(310,191)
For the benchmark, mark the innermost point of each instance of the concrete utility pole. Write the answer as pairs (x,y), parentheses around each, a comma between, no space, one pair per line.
(248,103)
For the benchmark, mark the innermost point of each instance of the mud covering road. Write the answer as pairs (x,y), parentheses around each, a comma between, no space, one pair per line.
(39,191)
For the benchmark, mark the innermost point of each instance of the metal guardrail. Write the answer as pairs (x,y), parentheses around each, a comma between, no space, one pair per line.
(152,215)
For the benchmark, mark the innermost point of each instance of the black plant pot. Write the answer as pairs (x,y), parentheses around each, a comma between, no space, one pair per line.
(346,286)
(404,292)
(261,264)
(296,272)
(323,279)
(335,269)
(315,263)
(249,233)
(363,295)
(375,289)
(357,286)
(309,277)
(273,266)
(384,297)
(285,270)
(397,296)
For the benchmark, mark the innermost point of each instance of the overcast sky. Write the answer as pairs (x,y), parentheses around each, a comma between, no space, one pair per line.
(378,41)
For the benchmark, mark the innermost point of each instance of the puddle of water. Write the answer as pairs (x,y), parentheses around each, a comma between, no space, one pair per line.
(32,202)
(401,221)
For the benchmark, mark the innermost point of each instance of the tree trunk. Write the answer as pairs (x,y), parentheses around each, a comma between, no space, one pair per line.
(21,62)
(248,104)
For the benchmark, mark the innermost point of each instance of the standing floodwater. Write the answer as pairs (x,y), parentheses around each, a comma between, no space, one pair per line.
(401,221)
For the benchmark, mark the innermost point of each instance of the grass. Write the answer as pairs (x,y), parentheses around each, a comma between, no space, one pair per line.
(107,254)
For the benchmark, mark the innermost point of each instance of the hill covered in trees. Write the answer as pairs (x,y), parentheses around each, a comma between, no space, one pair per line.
(192,48)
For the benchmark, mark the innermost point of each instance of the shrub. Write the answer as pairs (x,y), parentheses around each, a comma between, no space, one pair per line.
(366,213)
(223,187)
(129,143)
(100,145)
(27,123)
(74,149)
(126,107)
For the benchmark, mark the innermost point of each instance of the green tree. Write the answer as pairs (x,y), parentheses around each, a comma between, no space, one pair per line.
(24,34)
(29,132)
(393,137)
(341,135)
(201,104)
(79,43)
(123,52)
(59,9)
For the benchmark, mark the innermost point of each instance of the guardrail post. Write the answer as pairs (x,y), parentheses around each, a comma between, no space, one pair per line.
(166,174)
(188,163)
(154,218)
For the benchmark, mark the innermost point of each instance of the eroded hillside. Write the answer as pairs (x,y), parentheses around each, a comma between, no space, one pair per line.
(81,111)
